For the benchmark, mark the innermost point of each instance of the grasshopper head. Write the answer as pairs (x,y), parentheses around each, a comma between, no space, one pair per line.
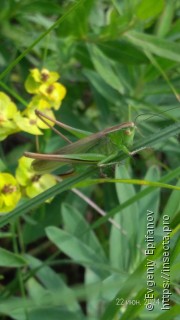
(128,136)
(123,137)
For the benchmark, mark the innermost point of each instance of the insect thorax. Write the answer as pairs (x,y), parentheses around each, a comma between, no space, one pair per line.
(123,137)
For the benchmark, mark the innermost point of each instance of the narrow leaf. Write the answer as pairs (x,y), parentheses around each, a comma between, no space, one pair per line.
(158,46)
(9,259)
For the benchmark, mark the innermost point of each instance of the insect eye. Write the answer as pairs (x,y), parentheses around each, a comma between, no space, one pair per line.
(128,132)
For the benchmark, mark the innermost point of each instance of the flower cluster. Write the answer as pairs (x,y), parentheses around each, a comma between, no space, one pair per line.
(47,95)
(45,87)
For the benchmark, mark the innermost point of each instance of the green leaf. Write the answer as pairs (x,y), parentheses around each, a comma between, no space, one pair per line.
(135,283)
(75,224)
(166,20)
(123,52)
(78,250)
(123,255)
(155,184)
(105,67)
(101,86)
(173,205)
(77,22)
(150,202)
(158,46)
(11,260)
(50,279)
(168,177)
(55,313)
(147,9)
(172,313)
(6,235)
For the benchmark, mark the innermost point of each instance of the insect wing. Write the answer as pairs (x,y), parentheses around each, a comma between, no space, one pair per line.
(95,142)
(81,146)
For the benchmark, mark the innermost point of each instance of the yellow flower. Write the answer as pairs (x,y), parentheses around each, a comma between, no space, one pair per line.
(8,111)
(9,193)
(40,184)
(37,102)
(33,183)
(24,171)
(54,93)
(36,78)
(44,84)
(29,122)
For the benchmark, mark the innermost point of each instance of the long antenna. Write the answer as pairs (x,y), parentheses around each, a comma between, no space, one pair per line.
(41,116)
(153,114)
